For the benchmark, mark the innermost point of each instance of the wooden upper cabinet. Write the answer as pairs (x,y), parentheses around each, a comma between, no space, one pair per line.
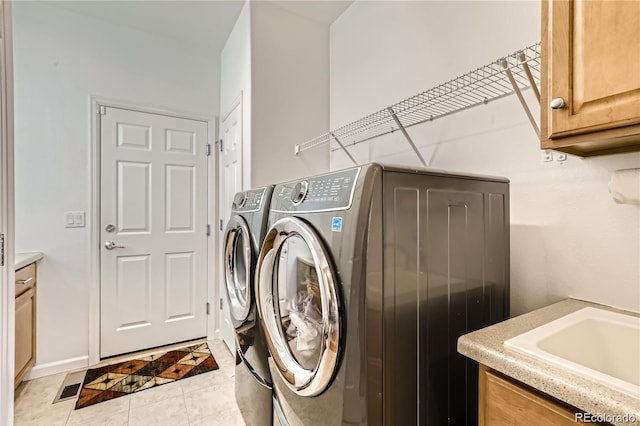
(591,59)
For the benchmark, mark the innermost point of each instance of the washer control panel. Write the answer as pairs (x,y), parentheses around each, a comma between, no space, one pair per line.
(248,200)
(332,191)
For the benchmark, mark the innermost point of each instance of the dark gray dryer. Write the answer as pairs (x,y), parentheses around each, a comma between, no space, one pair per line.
(366,279)
(243,237)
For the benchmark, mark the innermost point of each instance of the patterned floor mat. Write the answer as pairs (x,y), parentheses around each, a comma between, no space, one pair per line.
(112,381)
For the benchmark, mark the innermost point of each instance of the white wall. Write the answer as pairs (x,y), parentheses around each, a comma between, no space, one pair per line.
(279,61)
(61,59)
(235,82)
(568,238)
(290,93)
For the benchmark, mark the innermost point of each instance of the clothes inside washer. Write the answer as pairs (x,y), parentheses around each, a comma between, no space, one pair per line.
(306,333)
(304,328)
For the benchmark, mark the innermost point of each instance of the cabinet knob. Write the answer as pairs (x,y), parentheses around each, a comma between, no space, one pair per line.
(557,103)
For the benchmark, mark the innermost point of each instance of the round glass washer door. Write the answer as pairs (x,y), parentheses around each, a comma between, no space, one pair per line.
(299,307)
(238,261)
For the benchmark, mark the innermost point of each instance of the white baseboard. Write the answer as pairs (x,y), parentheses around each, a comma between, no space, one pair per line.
(215,335)
(41,370)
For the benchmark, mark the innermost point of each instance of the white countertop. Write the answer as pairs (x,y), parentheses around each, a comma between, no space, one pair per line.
(487,347)
(23,259)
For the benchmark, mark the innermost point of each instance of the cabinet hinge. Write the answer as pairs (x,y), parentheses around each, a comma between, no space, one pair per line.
(1,249)
(102,110)
(208,149)
(221,223)
(208,230)
(208,310)
(220,303)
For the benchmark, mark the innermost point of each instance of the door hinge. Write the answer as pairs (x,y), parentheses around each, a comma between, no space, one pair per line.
(220,142)
(208,310)
(221,223)
(1,249)
(102,110)
(208,230)
(221,303)
(208,149)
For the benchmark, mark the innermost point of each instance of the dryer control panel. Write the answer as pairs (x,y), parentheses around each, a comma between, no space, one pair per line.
(248,201)
(333,191)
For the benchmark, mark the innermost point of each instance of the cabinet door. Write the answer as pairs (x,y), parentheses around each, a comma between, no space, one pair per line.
(25,333)
(503,402)
(593,54)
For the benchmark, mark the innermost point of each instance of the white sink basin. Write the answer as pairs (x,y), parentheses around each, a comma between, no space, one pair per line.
(598,344)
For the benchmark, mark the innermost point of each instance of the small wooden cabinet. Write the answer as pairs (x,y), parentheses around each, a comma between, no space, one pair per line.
(503,401)
(591,59)
(25,336)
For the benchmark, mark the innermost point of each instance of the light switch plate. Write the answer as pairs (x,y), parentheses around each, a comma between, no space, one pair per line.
(74,219)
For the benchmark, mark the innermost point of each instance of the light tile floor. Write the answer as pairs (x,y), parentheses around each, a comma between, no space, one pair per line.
(204,400)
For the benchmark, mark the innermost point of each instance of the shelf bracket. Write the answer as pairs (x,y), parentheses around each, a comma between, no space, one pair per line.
(516,90)
(527,70)
(344,148)
(406,135)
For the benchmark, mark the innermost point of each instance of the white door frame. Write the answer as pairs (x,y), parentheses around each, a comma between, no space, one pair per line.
(7,273)
(219,320)
(216,235)
(94,212)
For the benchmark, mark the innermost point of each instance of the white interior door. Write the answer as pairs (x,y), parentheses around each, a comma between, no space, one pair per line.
(153,223)
(230,183)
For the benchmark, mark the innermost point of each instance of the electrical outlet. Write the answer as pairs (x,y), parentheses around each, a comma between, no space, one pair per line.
(547,155)
(561,156)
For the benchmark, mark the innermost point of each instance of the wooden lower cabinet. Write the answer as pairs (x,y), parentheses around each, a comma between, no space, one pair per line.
(503,401)
(25,336)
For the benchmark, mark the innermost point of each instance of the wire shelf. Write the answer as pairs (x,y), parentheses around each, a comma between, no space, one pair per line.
(478,87)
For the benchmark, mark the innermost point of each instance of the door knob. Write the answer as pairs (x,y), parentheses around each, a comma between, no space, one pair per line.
(110,245)
(557,103)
